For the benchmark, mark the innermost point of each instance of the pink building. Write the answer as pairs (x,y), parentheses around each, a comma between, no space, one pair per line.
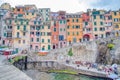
(35,33)
(108,23)
(87,27)
(62,29)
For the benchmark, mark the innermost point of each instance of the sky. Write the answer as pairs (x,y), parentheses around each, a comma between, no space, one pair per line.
(70,6)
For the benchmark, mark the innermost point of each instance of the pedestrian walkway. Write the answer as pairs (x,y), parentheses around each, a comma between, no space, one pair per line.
(9,72)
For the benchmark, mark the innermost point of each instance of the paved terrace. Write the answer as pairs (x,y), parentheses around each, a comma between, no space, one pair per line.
(9,72)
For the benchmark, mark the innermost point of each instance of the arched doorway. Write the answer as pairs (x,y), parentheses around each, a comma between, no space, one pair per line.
(86,37)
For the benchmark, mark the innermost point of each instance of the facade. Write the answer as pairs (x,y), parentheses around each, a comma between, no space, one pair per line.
(19,10)
(45,44)
(45,13)
(87,27)
(54,30)
(108,24)
(74,28)
(116,22)
(35,25)
(62,29)
(98,24)
(21,33)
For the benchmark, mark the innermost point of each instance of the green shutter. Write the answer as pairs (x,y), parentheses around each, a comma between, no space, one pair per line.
(4,34)
(18,27)
(95,29)
(48,47)
(68,33)
(48,40)
(95,23)
(60,21)
(42,40)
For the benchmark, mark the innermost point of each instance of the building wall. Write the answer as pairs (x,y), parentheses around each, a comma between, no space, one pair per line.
(55,34)
(87,27)
(6,6)
(116,22)
(72,32)
(97,26)
(46,37)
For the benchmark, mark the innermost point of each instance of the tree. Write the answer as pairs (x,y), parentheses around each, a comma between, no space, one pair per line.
(70,52)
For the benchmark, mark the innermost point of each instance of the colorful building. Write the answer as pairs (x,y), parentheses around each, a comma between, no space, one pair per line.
(21,33)
(87,26)
(108,24)
(6,6)
(45,13)
(74,28)
(116,22)
(19,10)
(45,38)
(35,24)
(54,30)
(62,29)
(98,24)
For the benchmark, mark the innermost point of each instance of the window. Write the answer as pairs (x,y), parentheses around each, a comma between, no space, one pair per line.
(37,27)
(37,33)
(68,27)
(101,23)
(94,16)
(24,28)
(37,39)
(26,23)
(86,23)
(49,34)
(48,47)
(18,35)
(61,37)
(24,33)
(34,22)
(19,41)
(27,13)
(64,29)
(72,20)
(101,16)
(95,23)
(77,20)
(116,26)
(32,39)
(61,29)
(73,27)
(38,22)
(48,40)
(101,29)
(42,40)
(48,27)
(68,33)
(18,27)
(95,29)
(32,33)
(10,21)
(77,27)
(54,29)
(4,34)
(60,21)
(41,10)
(23,41)
(43,48)
(115,13)
(32,13)
(64,21)
(42,27)
(77,33)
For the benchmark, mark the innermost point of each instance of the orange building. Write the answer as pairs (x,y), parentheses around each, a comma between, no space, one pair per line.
(19,10)
(74,28)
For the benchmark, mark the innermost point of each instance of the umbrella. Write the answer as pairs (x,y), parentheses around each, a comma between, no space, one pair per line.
(113,76)
(114,65)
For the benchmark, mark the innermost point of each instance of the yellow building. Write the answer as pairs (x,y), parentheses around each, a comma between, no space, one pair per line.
(74,28)
(21,33)
(116,22)
(45,37)
(98,24)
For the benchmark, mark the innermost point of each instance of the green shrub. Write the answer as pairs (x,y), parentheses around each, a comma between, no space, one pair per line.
(110,46)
